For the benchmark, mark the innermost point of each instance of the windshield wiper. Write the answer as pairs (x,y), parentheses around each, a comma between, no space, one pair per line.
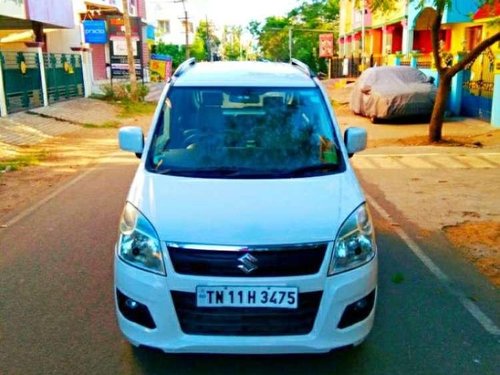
(202,172)
(314,168)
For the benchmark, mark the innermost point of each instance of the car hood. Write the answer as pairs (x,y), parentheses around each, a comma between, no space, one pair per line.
(246,211)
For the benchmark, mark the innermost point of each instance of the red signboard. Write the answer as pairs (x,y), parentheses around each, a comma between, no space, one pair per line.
(326,45)
(117,29)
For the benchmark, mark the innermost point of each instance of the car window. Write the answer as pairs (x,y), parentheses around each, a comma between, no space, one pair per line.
(243,132)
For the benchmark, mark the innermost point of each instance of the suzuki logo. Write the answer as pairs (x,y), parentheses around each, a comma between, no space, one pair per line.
(248,263)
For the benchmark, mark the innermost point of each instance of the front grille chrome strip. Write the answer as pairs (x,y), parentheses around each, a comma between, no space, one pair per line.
(206,247)
(188,246)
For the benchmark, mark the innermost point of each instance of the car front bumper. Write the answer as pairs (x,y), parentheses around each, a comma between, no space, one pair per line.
(154,291)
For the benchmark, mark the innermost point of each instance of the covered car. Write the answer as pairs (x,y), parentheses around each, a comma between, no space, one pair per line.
(393,92)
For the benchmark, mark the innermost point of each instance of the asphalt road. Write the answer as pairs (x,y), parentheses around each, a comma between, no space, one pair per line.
(57,312)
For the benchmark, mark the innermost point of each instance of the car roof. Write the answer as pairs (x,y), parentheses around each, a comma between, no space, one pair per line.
(244,73)
(385,75)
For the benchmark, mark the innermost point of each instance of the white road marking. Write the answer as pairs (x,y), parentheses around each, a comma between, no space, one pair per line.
(427,161)
(416,162)
(474,162)
(470,306)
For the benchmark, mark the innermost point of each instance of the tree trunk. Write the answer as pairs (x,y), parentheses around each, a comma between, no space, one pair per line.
(130,52)
(436,124)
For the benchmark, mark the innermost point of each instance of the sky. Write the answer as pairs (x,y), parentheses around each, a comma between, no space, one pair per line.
(240,12)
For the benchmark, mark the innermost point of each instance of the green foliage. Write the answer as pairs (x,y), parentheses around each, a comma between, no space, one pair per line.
(105,125)
(205,42)
(121,91)
(232,48)
(24,160)
(177,52)
(129,108)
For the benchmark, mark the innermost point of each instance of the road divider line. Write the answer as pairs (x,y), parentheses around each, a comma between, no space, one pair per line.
(56,192)
(470,306)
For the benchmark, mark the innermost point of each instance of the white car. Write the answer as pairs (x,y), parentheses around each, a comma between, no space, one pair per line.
(245,229)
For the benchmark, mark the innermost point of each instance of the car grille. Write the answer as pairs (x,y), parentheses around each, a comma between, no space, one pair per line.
(244,321)
(291,260)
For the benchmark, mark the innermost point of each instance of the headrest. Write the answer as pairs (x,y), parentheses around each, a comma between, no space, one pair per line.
(211,98)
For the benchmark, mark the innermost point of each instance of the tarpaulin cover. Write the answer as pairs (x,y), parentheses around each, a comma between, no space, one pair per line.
(388,92)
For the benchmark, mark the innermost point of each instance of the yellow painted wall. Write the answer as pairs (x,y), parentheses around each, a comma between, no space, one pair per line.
(488,30)
(383,18)
(349,6)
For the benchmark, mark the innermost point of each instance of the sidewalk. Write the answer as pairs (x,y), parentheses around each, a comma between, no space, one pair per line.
(449,189)
(41,124)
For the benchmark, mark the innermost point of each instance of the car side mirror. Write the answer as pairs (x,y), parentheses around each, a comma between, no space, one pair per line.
(355,140)
(131,139)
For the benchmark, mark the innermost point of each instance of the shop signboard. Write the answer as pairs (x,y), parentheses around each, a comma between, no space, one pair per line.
(118,47)
(95,32)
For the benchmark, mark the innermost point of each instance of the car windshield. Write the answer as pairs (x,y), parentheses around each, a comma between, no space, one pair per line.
(230,132)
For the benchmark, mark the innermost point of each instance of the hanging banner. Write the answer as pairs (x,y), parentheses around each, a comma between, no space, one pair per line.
(326,45)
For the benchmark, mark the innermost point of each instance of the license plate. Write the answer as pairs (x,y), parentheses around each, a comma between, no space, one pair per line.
(247,296)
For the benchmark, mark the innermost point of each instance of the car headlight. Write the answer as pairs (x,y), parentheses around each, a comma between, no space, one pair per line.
(355,244)
(138,243)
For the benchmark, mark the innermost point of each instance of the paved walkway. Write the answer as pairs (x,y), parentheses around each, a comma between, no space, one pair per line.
(41,124)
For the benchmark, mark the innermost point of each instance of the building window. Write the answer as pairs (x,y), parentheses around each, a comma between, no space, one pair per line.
(189,25)
(164,26)
(472,37)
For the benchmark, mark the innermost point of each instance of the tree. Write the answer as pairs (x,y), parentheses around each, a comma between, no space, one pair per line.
(232,48)
(304,21)
(176,52)
(445,73)
(205,41)
(130,52)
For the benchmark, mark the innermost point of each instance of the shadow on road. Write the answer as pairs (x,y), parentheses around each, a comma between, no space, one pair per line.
(151,361)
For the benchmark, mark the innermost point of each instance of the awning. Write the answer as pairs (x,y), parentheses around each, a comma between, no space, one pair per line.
(488,11)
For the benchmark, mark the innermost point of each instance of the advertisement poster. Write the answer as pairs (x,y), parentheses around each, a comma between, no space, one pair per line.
(160,67)
(326,45)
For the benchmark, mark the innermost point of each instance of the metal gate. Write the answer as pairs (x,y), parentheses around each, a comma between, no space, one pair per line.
(477,93)
(64,76)
(22,80)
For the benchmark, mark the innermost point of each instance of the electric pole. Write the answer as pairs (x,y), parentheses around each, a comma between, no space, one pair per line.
(207,42)
(186,25)
(130,51)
